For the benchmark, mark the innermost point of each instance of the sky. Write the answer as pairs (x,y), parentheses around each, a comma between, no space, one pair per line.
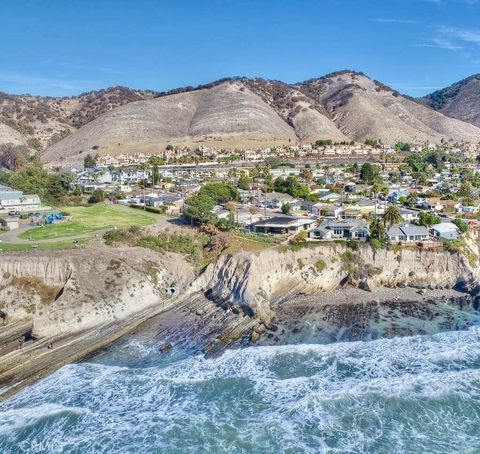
(66,47)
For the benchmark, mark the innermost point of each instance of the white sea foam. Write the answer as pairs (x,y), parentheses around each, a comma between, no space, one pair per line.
(404,394)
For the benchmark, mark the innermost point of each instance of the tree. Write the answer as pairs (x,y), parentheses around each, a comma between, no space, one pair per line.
(89,161)
(426,218)
(465,190)
(462,227)
(392,216)
(33,179)
(155,162)
(323,142)
(412,198)
(144,167)
(368,173)
(220,192)
(244,182)
(198,209)
(292,186)
(97,196)
(402,146)
(377,229)
(286,208)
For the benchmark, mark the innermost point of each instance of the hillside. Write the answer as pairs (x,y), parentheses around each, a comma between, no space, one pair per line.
(46,120)
(366,109)
(237,113)
(233,113)
(309,118)
(460,100)
(10,135)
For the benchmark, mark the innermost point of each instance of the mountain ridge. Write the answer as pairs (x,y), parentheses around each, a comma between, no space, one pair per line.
(460,100)
(234,112)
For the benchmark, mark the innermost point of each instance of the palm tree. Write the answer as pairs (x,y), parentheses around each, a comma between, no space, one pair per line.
(392,216)
(22,201)
(154,162)
(144,166)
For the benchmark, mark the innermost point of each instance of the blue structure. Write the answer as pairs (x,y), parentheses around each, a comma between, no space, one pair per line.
(52,217)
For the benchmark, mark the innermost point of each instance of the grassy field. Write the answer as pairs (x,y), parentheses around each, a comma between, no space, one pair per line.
(87,220)
(65,244)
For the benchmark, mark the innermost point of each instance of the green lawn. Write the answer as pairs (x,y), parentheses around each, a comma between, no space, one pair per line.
(89,219)
(65,244)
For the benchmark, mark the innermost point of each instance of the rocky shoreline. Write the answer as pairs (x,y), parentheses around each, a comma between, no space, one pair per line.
(355,314)
(60,308)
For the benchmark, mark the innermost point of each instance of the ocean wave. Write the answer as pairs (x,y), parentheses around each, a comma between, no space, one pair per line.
(405,394)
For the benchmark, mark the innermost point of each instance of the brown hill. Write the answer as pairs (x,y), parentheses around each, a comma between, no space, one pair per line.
(460,100)
(46,120)
(234,113)
(10,135)
(366,109)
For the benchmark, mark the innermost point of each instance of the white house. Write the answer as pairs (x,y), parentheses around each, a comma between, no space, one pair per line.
(445,231)
(408,233)
(18,201)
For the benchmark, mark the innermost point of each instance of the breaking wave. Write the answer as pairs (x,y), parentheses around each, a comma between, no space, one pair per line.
(410,394)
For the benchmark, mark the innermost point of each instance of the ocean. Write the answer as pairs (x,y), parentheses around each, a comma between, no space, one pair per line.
(417,394)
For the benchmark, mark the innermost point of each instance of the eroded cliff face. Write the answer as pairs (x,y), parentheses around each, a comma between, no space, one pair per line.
(65,292)
(259,281)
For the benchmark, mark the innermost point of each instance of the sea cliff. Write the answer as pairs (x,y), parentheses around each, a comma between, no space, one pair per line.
(58,306)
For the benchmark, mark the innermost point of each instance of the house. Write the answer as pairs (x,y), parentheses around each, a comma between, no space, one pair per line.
(18,201)
(395,196)
(273,200)
(408,233)
(327,210)
(445,231)
(330,197)
(409,215)
(352,212)
(433,203)
(347,228)
(282,225)
(367,205)
(468,209)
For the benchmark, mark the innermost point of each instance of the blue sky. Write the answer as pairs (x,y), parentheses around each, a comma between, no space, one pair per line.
(65,47)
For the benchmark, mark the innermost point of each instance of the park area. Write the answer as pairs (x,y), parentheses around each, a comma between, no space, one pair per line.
(89,219)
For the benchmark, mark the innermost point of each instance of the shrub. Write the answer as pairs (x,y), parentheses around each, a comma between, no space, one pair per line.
(376,244)
(97,196)
(320,265)
(351,244)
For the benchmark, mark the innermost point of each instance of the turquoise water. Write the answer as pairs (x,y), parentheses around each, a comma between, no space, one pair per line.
(417,394)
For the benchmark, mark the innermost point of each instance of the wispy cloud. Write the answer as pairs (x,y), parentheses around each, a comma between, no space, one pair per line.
(462,34)
(440,43)
(452,38)
(384,20)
